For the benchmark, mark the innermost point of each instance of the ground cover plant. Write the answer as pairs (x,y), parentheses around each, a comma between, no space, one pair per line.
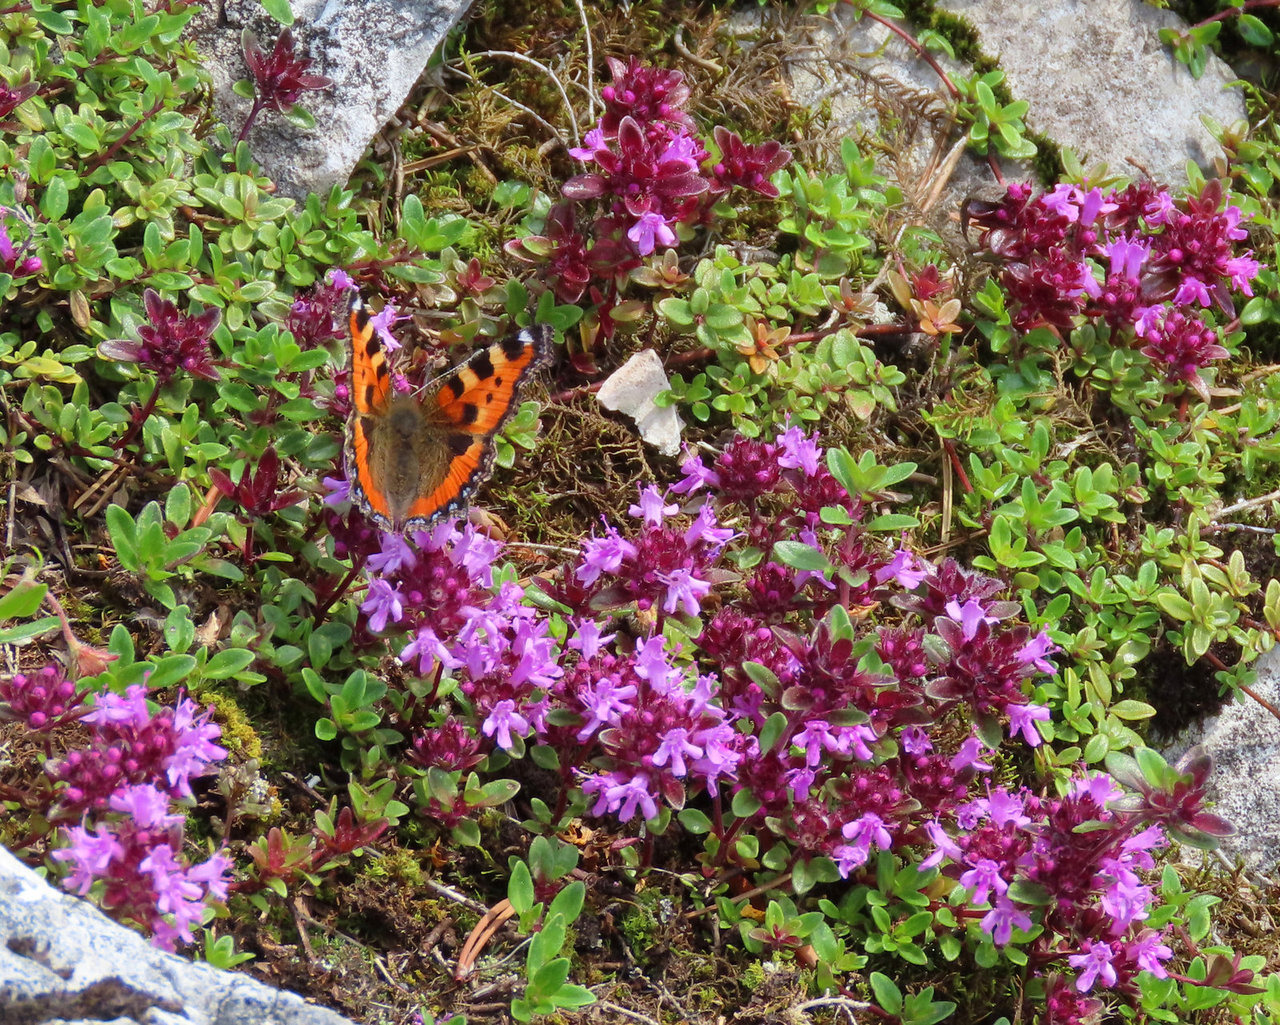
(841,713)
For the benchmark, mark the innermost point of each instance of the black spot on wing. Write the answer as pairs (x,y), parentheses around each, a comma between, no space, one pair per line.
(458,443)
(369,393)
(455,385)
(513,345)
(497,382)
(469,412)
(373,345)
(482,364)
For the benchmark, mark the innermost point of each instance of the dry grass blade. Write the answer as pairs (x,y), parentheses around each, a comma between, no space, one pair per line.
(481,935)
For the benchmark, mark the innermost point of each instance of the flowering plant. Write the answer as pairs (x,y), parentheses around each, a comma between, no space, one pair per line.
(125,782)
(814,721)
(1159,262)
(649,178)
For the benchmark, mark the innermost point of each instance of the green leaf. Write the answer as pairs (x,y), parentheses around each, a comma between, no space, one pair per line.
(573,996)
(23,600)
(82,135)
(54,21)
(772,731)
(763,676)
(887,994)
(548,978)
(520,888)
(568,902)
(279,10)
(124,534)
(893,522)
(801,556)
(1130,710)
(41,160)
(228,663)
(18,634)
(1253,31)
(53,204)
(694,821)
(170,670)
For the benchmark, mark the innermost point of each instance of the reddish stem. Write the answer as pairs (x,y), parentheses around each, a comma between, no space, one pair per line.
(1247,5)
(995,167)
(135,427)
(921,52)
(129,133)
(956,465)
(254,111)
(357,565)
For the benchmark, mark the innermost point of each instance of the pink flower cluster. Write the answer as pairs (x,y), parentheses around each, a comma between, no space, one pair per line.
(131,746)
(649,174)
(138,860)
(1158,261)
(649,164)
(136,764)
(1070,862)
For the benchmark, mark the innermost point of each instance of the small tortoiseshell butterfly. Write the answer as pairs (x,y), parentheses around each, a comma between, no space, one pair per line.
(412,460)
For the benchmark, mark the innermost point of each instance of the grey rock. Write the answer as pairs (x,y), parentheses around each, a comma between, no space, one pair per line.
(63,960)
(373,50)
(1244,740)
(1100,81)
(1094,72)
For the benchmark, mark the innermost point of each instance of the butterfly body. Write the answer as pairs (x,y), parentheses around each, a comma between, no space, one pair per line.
(412,460)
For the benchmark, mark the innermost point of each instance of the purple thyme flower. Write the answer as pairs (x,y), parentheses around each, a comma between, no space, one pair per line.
(651,174)
(603,555)
(684,591)
(1093,963)
(653,96)
(696,476)
(1000,921)
(906,569)
(12,258)
(587,638)
(170,341)
(799,451)
(502,721)
(652,508)
(317,316)
(1181,345)
(620,794)
(131,745)
(1022,719)
(383,603)
(136,859)
(45,699)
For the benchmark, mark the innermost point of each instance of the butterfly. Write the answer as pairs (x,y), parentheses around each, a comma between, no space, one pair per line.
(412,459)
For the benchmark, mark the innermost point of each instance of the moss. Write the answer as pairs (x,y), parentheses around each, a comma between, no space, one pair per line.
(238,736)
(753,976)
(1048,159)
(400,865)
(957,30)
(645,920)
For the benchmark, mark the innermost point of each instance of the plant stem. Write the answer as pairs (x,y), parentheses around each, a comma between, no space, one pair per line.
(129,133)
(254,111)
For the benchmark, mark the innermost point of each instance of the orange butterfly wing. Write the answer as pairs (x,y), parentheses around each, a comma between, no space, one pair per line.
(370,398)
(471,404)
